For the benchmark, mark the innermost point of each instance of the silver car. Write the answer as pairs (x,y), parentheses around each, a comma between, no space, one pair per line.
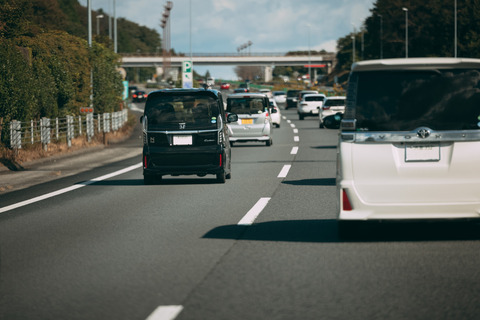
(409,145)
(254,120)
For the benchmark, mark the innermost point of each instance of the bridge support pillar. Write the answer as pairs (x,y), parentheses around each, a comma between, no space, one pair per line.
(159,72)
(268,73)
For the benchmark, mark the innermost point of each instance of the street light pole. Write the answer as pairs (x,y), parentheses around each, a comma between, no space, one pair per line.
(115,48)
(381,36)
(309,59)
(353,42)
(89,14)
(191,58)
(100,16)
(455,41)
(406,31)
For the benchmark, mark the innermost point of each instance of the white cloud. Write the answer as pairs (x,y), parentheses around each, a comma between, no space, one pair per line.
(220,26)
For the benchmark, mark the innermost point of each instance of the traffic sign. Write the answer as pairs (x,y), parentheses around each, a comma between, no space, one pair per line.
(187,74)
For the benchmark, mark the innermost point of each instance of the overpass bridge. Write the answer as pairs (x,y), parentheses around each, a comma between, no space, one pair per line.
(266,60)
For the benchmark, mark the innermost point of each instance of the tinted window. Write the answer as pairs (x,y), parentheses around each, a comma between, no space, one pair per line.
(246,105)
(334,102)
(319,98)
(292,93)
(196,111)
(406,100)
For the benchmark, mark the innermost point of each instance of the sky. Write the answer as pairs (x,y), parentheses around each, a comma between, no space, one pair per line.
(221,26)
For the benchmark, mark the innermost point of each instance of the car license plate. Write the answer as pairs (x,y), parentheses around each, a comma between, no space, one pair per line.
(247,121)
(183,140)
(422,152)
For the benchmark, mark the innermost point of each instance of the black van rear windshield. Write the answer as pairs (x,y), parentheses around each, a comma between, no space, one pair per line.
(194,112)
(406,100)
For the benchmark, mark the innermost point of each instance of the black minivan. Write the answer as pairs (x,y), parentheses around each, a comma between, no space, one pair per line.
(185,132)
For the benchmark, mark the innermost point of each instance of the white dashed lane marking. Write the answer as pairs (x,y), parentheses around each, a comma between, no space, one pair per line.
(253,213)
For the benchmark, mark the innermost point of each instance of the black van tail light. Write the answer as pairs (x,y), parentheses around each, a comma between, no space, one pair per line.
(145,162)
(346,202)
(220,160)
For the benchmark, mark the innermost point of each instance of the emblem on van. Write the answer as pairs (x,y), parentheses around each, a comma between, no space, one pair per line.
(182,125)
(423,133)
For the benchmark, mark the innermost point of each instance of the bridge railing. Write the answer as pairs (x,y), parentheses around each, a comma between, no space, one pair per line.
(230,54)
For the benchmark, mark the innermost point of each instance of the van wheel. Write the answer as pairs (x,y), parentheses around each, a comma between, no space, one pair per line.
(300,116)
(148,179)
(221,177)
(269,143)
(228,175)
(320,125)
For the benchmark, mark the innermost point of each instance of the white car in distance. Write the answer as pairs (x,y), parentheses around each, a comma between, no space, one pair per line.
(331,106)
(280,97)
(275,113)
(310,105)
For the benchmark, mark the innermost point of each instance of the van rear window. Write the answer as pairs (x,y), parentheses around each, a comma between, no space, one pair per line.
(315,98)
(246,105)
(406,100)
(167,112)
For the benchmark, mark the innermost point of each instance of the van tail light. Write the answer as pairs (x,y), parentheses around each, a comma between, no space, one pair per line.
(347,206)
(145,162)
(220,159)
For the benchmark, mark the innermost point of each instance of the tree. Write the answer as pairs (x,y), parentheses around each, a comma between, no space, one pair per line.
(248,72)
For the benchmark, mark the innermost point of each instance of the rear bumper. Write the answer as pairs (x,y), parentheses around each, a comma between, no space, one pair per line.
(363,210)
(306,112)
(200,160)
(255,132)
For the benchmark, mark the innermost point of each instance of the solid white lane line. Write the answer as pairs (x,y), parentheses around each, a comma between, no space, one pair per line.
(294,150)
(295,130)
(253,213)
(283,173)
(165,313)
(68,189)
(296,138)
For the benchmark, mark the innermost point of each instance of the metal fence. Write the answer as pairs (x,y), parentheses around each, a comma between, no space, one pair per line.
(47,130)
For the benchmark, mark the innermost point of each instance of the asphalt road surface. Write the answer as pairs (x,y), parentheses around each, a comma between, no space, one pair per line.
(99,244)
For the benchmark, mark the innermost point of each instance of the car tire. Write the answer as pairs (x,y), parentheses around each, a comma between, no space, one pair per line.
(231,144)
(320,125)
(300,116)
(268,143)
(228,176)
(149,179)
(221,177)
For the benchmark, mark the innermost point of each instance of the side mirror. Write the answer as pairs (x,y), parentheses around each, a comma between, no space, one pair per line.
(274,110)
(141,119)
(232,117)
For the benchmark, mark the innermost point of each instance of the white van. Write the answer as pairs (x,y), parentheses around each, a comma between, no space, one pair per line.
(409,145)
(210,82)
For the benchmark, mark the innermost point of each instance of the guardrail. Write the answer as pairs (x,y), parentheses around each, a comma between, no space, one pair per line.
(64,129)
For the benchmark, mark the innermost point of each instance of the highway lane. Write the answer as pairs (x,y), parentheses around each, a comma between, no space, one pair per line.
(118,249)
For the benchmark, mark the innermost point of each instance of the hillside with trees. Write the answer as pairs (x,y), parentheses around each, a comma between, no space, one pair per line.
(431,31)
(46,61)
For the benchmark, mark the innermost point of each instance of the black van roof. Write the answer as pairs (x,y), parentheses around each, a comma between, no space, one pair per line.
(179,91)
